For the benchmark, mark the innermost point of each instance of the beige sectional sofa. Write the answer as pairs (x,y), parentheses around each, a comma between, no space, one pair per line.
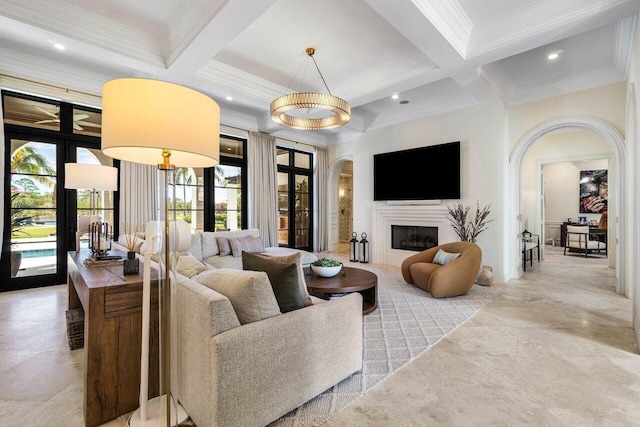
(233,374)
(240,360)
(204,246)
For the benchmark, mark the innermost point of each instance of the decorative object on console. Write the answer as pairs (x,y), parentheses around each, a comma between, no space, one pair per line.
(97,178)
(468,232)
(326,267)
(353,247)
(311,100)
(364,249)
(144,121)
(100,238)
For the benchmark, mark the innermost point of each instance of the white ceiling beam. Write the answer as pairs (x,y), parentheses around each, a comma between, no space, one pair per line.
(229,21)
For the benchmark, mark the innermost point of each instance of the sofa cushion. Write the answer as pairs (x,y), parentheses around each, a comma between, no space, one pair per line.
(189,266)
(250,293)
(306,257)
(196,245)
(283,278)
(443,257)
(223,246)
(246,244)
(288,259)
(218,261)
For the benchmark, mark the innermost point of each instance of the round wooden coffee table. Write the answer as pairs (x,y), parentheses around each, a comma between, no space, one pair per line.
(348,280)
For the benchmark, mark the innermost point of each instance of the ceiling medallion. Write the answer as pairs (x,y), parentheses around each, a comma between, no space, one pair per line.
(340,109)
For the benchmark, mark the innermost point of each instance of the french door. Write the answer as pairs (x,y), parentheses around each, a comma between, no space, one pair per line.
(33,245)
(295,199)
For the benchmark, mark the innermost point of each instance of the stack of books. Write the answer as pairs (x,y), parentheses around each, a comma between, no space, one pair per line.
(102,261)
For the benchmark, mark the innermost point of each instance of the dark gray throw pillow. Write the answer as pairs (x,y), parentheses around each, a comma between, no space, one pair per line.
(283,278)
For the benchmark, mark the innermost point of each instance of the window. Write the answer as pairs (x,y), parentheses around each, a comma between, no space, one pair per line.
(213,198)
(41,135)
(295,199)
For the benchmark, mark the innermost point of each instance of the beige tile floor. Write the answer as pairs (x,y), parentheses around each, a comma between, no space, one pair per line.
(556,348)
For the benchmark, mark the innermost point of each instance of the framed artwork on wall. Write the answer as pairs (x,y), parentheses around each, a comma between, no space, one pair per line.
(593,191)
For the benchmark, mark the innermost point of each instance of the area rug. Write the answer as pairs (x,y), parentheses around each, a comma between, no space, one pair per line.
(407,322)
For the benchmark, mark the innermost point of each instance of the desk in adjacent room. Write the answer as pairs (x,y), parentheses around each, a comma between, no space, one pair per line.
(112,304)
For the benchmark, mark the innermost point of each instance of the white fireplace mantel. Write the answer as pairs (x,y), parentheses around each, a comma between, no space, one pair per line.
(383,217)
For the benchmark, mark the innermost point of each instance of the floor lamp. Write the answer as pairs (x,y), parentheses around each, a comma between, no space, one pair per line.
(150,121)
(82,176)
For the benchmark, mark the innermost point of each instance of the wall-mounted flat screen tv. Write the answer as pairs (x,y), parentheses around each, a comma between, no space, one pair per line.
(425,173)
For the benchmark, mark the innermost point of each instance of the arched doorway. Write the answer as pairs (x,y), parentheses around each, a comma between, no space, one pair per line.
(616,205)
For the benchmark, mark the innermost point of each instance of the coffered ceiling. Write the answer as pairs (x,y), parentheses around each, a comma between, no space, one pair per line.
(435,55)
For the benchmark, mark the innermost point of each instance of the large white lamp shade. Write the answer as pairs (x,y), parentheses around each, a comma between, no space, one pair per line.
(87,176)
(141,118)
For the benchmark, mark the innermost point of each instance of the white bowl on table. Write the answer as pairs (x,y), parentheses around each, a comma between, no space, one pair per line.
(326,271)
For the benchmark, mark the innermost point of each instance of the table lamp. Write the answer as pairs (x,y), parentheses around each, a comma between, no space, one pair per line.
(154,122)
(81,176)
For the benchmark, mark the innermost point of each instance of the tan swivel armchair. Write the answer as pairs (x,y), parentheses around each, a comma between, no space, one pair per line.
(454,278)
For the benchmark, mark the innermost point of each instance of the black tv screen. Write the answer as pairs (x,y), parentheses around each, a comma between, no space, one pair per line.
(425,173)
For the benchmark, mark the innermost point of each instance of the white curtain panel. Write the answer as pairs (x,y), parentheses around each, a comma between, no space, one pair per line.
(263,179)
(322,176)
(138,194)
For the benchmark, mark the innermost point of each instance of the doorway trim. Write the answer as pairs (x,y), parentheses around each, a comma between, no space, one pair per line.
(615,140)
(332,200)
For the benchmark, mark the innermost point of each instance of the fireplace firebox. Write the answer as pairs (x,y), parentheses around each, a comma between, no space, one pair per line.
(413,238)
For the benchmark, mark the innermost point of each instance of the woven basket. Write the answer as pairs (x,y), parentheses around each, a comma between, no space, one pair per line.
(75,328)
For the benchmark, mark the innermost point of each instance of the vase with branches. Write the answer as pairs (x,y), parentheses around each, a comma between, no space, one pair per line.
(465,227)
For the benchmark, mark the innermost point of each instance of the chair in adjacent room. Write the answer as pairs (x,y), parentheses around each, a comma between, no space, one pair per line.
(580,239)
(530,242)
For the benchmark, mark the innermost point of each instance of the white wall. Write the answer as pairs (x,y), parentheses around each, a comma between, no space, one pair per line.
(632,193)
(484,160)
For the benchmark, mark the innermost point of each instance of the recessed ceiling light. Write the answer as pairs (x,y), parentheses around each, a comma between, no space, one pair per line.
(404,102)
(228,98)
(59,46)
(554,55)
(394,96)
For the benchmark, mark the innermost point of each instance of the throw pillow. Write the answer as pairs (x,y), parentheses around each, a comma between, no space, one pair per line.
(293,258)
(246,244)
(283,278)
(223,246)
(444,258)
(249,292)
(189,266)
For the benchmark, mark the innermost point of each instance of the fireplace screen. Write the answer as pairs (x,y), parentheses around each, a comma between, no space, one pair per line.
(413,238)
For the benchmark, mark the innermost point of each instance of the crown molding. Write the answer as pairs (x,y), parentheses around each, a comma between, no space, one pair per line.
(391,73)
(625,31)
(189,22)
(79,24)
(42,70)
(586,80)
(238,120)
(533,20)
(499,78)
(435,106)
(219,73)
(450,20)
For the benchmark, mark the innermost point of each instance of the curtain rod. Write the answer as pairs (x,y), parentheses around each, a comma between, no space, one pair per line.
(47,85)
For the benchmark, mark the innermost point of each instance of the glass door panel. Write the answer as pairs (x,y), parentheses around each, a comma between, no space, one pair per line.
(283,209)
(33,208)
(302,211)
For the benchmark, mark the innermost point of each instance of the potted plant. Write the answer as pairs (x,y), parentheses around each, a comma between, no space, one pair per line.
(18,221)
(326,267)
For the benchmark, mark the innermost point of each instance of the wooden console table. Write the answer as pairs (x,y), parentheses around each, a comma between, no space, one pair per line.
(112,304)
